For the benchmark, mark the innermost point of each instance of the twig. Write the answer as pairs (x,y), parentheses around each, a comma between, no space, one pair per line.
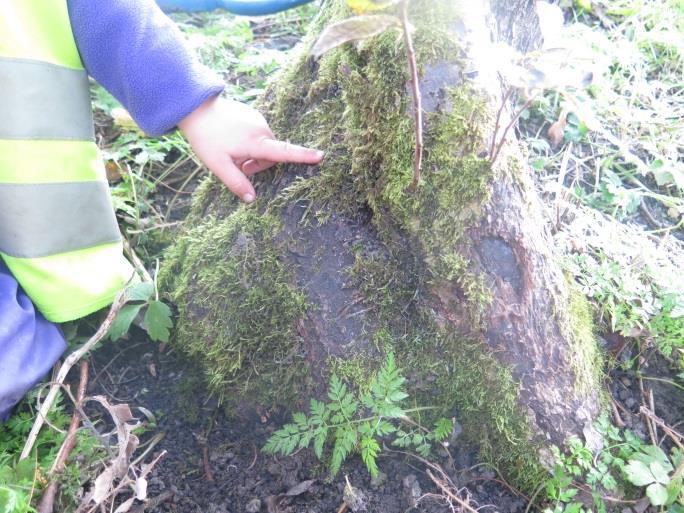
(47,501)
(208,474)
(494,156)
(446,484)
(675,435)
(152,503)
(447,490)
(254,460)
(64,370)
(649,422)
(616,414)
(504,102)
(135,259)
(417,100)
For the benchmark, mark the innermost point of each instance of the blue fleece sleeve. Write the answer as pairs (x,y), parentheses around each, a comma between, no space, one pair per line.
(138,54)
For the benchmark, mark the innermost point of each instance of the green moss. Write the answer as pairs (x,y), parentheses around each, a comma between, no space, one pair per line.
(587,358)
(453,373)
(357,370)
(236,304)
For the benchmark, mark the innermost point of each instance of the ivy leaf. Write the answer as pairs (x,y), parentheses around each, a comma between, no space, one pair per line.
(158,321)
(638,473)
(123,320)
(657,494)
(142,291)
(352,29)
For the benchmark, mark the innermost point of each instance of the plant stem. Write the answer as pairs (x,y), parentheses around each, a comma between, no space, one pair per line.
(415,89)
(69,362)
(493,157)
(504,102)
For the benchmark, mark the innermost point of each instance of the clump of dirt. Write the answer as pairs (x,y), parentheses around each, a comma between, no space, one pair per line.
(214,463)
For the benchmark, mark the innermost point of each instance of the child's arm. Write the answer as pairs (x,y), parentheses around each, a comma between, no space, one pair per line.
(135,52)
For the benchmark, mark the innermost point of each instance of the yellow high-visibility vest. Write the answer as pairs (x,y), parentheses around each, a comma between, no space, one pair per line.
(58,233)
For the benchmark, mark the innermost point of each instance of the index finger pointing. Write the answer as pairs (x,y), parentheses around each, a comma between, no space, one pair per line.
(281,151)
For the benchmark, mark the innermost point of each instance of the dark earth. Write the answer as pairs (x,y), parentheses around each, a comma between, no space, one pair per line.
(213,462)
(235,476)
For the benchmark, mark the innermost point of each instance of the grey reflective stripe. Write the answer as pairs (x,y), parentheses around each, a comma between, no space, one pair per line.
(45,219)
(40,100)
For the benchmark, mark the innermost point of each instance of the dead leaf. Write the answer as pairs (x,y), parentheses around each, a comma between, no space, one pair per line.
(125,506)
(103,484)
(127,444)
(141,488)
(300,488)
(113,171)
(353,29)
(556,131)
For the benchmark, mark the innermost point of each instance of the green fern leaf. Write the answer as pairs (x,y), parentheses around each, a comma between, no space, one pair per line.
(443,429)
(320,435)
(369,452)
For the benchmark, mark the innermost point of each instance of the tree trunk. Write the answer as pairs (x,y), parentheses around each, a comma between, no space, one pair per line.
(337,265)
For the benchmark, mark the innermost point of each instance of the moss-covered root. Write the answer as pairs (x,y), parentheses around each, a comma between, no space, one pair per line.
(236,304)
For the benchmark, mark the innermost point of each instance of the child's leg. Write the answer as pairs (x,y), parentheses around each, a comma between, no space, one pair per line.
(29,345)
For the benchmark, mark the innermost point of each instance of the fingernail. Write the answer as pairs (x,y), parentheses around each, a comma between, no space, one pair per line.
(320,154)
(248,198)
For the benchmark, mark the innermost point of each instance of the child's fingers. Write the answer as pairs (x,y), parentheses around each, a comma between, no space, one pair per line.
(253,166)
(281,151)
(234,179)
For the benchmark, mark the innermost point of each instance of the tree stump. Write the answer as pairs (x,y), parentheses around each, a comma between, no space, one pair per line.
(336,265)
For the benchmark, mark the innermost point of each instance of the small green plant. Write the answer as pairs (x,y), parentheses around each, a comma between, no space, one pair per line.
(625,460)
(662,476)
(22,481)
(157,320)
(353,423)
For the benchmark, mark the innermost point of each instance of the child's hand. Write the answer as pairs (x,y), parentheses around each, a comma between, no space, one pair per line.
(234,142)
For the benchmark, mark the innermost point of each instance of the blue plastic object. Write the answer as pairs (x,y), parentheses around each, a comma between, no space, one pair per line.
(241,7)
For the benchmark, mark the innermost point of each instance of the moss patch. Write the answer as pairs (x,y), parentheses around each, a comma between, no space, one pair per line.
(240,320)
(588,360)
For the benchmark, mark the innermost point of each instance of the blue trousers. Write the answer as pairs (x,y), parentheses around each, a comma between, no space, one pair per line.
(29,344)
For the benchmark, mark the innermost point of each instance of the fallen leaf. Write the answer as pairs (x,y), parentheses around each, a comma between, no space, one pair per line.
(125,506)
(352,29)
(141,488)
(300,488)
(556,131)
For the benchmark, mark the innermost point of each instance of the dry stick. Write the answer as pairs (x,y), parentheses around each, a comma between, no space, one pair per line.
(508,127)
(417,101)
(152,503)
(64,370)
(504,102)
(649,422)
(446,490)
(208,474)
(675,435)
(444,485)
(47,501)
(123,483)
